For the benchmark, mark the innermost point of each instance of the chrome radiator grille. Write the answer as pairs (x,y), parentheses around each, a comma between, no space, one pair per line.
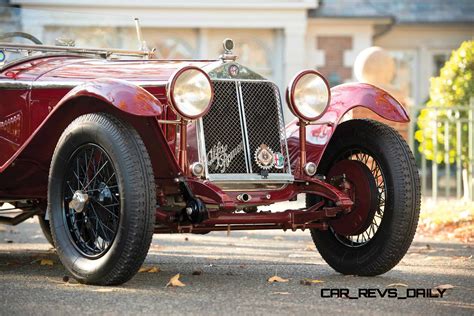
(244,116)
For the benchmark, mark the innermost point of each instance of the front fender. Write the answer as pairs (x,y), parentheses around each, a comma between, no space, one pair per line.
(122,94)
(344,98)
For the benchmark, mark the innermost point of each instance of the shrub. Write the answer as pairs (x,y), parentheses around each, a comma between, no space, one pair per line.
(453,87)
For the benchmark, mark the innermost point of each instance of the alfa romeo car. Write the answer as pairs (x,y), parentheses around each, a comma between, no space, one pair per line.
(108,147)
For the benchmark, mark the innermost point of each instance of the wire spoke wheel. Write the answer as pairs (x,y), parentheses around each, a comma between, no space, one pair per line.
(362,238)
(375,167)
(91,200)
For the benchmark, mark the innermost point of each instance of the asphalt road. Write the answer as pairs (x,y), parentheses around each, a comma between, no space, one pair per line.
(233,280)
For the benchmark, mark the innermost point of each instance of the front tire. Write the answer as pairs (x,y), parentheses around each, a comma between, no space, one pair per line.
(378,244)
(46,229)
(101,197)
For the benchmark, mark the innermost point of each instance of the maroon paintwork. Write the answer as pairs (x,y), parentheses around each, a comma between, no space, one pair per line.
(41,96)
(344,98)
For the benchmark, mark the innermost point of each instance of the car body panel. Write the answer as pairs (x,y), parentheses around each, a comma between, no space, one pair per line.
(47,93)
(344,98)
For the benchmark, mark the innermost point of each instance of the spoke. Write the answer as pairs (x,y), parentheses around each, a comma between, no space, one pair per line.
(85,188)
(100,223)
(105,208)
(70,188)
(94,229)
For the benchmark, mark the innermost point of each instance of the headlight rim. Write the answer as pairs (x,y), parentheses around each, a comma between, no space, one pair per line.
(290,95)
(170,92)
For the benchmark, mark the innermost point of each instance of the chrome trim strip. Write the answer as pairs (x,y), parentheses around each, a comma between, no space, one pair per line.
(14,85)
(242,80)
(248,178)
(243,127)
(258,189)
(176,122)
(283,131)
(201,142)
(106,52)
(24,84)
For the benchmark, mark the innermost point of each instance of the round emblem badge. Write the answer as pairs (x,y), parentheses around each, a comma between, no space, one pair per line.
(279,160)
(2,56)
(234,70)
(264,157)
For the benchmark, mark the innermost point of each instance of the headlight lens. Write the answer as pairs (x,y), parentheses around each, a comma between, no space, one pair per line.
(308,95)
(190,92)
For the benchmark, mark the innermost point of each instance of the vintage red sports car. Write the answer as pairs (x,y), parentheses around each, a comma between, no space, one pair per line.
(108,147)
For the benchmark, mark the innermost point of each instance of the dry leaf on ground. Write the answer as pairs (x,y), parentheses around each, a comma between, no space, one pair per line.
(277,279)
(175,282)
(46,262)
(310,248)
(397,285)
(310,281)
(149,269)
(103,290)
(445,287)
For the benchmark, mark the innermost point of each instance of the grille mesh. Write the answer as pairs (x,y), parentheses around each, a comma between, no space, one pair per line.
(222,130)
(223,126)
(263,117)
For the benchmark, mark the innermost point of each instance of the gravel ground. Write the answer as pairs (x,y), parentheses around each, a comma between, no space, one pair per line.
(233,278)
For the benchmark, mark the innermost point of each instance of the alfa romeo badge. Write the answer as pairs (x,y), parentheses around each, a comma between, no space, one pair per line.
(279,160)
(234,70)
(264,157)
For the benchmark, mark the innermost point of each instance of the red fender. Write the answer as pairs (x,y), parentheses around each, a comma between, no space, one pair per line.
(344,98)
(122,94)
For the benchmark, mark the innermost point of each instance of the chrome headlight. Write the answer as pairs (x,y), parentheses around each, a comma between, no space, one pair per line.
(190,92)
(308,95)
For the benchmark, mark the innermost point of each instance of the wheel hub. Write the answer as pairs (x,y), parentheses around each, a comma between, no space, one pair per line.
(79,200)
(358,181)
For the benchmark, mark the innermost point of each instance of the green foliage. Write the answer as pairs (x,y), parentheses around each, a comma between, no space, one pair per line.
(454,87)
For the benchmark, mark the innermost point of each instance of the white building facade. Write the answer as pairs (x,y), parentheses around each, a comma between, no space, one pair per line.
(275,37)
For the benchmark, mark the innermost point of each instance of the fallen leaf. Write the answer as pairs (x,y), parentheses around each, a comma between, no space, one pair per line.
(310,248)
(73,282)
(310,281)
(445,287)
(397,285)
(104,290)
(175,282)
(46,262)
(462,258)
(277,279)
(149,269)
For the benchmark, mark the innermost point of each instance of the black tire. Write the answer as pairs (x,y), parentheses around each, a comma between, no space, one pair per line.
(46,229)
(399,214)
(129,199)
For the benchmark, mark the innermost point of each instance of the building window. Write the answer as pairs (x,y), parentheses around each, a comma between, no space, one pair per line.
(172,48)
